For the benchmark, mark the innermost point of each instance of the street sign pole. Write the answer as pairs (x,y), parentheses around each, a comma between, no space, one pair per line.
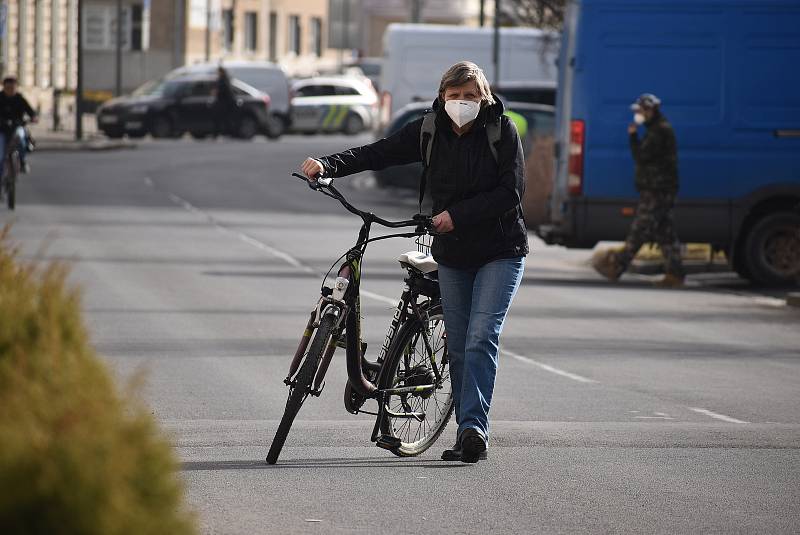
(79,84)
(118,85)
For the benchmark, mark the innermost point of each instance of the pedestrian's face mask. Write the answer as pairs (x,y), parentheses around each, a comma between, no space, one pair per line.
(638,118)
(462,111)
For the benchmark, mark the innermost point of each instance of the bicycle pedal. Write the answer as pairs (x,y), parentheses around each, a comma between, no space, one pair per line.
(388,442)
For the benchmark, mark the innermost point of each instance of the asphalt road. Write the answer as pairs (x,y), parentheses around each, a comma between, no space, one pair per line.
(618,408)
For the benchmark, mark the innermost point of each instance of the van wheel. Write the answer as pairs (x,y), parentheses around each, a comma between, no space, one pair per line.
(247,128)
(773,249)
(353,125)
(161,127)
(275,127)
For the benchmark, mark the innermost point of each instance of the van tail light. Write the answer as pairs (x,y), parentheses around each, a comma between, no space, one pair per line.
(577,138)
(386,108)
(266,100)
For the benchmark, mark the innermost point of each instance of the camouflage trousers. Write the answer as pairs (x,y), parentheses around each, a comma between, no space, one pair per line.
(654,223)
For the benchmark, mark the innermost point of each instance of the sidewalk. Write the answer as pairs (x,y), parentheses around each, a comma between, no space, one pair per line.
(64,139)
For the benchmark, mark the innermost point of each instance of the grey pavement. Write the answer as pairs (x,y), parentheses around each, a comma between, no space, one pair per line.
(618,408)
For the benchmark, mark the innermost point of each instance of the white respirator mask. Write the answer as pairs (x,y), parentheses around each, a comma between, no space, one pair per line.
(638,118)
(462,111)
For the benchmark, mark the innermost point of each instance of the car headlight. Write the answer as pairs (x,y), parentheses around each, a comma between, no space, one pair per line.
(141,108)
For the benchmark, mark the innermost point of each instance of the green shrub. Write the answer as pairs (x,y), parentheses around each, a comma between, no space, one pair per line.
(76,457)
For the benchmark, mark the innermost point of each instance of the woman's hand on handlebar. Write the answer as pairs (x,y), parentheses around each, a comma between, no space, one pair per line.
(312,168)
(443,223)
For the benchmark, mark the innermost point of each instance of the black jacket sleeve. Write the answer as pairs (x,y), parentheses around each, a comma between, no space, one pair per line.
(400,148)
(651,147)
(27,107)
(510,186)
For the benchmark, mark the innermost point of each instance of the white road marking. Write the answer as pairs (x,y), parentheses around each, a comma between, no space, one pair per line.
(717,416)
(381,298)
(551,369)
(286,257)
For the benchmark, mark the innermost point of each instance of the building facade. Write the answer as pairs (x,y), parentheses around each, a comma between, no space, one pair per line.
(38,44)
(39,38)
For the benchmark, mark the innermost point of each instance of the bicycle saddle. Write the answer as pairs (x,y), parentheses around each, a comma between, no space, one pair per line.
(419,261)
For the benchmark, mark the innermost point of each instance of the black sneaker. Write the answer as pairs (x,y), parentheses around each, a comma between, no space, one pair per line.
(472,446)
(454,454)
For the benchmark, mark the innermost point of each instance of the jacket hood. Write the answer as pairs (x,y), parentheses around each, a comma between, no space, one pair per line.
(492,111)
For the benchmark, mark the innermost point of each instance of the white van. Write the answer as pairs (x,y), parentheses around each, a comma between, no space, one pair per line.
(267,77)
(416,56)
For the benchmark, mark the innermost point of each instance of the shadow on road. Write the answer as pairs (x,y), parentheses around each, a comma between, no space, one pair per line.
(339,462)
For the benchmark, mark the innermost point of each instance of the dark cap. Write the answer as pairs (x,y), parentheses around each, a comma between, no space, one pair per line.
(10,80)
(647,101)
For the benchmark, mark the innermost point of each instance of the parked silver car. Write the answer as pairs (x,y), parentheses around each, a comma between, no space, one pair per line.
(333,104)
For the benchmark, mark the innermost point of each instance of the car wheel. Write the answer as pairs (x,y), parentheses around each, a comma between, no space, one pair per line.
(161,127)
(113,134)
(247,128)
(275,127)
(353,124)
(198,135)
(772,247)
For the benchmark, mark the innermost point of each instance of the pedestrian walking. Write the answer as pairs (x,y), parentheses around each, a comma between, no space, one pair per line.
(474,165)
(656,159)
(224,104)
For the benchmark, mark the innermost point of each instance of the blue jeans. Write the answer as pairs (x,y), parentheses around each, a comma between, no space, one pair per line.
(475,303)
(23,144)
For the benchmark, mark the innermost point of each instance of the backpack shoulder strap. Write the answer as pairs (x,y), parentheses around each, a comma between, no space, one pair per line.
(493,131)
(426,135)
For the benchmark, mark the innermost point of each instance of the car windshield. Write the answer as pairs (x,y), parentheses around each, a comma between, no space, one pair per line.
(158,88)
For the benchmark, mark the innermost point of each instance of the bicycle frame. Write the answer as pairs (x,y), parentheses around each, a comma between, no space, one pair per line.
(343,301)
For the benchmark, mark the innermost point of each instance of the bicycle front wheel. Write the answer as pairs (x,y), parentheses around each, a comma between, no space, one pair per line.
(411,362)
(12,170)
(302,387)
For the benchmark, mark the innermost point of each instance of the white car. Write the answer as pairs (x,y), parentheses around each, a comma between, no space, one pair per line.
(333,104)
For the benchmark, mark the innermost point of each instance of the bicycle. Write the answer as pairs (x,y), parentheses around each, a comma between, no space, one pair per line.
(12,165)
(410,380)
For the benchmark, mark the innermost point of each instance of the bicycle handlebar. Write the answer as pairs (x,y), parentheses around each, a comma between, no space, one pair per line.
(421,221)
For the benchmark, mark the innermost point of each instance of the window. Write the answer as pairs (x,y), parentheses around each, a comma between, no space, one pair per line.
(294,34)
(346,90)
(100,27)
(202,89)
(316,91)
(316,36)
(250,31)
(227,29)
(139,27)
(273,36)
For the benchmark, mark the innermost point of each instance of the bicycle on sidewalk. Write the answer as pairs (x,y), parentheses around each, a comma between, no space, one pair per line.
(410,380)
(12,166)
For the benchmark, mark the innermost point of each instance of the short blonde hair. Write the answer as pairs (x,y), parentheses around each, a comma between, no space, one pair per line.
(464,72)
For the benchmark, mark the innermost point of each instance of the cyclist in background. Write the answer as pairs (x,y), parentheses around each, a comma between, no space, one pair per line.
(13,109)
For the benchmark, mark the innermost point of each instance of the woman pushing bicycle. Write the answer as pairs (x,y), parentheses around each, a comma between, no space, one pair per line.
(473,162)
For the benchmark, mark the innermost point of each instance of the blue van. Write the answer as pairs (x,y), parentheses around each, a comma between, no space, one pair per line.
(728,75)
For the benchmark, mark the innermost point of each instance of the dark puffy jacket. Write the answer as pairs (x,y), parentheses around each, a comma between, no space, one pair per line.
(482,196)
(656,156)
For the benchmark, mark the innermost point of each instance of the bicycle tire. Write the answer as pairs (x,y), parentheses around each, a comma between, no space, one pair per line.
(303,381)
(408,334)
(11,179)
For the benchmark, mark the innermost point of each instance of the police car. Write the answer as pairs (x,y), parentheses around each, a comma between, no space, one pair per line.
(333,104)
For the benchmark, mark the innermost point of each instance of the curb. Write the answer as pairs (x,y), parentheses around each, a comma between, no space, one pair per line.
(100,145)
(793,299)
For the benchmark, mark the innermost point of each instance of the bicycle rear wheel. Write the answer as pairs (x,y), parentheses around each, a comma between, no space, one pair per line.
(410,364)
(302,387)
(10,171)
